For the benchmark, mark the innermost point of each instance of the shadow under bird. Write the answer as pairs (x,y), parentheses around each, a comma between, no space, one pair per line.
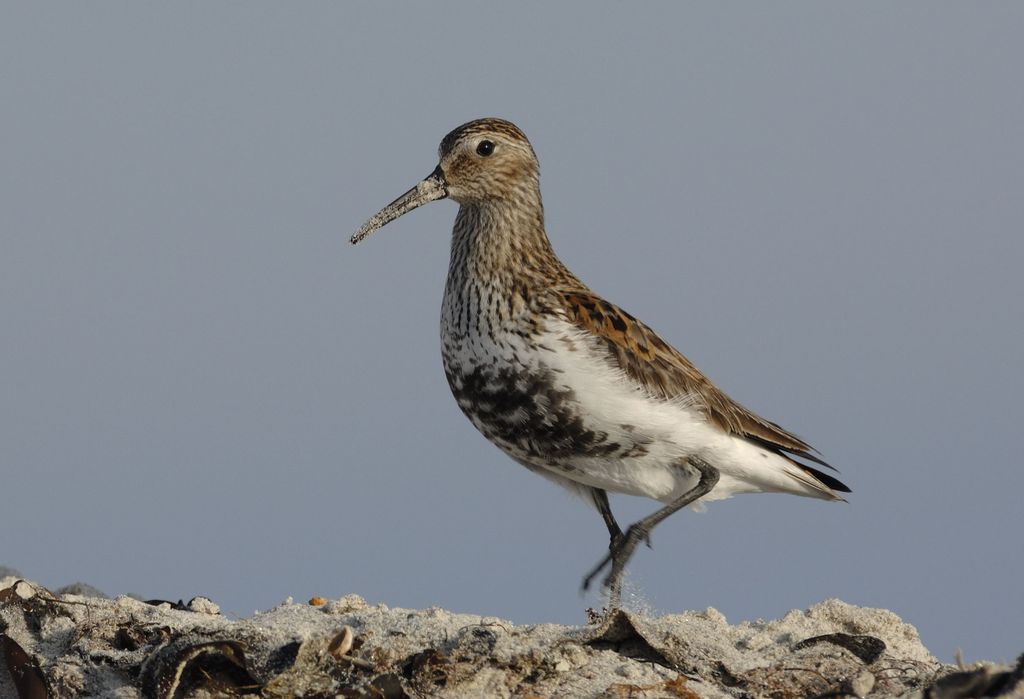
(569,385)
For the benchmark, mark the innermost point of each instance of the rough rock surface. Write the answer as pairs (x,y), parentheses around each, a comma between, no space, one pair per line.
(69,645)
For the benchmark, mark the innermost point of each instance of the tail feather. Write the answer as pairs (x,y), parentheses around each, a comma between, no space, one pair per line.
(830,481)
(818,480)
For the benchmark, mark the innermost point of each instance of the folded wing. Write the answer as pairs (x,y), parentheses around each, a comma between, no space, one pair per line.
(663,372)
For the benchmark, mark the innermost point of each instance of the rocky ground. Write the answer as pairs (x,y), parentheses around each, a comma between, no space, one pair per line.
(74,643)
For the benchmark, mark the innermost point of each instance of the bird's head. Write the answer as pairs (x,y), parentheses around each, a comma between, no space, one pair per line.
(486,161)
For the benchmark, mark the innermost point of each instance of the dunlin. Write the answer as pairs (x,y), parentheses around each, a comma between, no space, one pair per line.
(569,385)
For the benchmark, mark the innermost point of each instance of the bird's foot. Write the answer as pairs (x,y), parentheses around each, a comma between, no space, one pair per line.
(619,553)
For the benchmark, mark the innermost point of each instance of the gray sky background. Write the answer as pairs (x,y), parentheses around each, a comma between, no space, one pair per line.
(205,390)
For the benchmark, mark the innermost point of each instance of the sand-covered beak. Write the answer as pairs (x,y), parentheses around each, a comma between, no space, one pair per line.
(433,187)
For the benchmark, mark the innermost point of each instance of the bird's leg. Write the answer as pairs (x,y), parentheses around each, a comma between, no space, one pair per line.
(601,502)
(622,549)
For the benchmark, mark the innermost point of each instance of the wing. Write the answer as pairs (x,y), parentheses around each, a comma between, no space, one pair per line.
(664,372)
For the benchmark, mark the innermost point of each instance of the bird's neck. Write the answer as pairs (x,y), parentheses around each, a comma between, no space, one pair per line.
(502,242)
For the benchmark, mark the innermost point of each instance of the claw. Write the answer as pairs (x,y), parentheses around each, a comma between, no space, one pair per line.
(619,553)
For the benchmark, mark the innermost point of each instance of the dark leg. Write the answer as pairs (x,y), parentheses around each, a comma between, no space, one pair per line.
(622,548)
(601,501)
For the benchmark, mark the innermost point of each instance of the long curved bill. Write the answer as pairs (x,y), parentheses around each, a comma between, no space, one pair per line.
(433,187)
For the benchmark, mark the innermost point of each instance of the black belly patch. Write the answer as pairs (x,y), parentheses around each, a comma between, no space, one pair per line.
(528,415)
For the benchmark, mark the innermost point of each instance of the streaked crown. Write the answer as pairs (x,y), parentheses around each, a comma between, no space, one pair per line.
(488,159)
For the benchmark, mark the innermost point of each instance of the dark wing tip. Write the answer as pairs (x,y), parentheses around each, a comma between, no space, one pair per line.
(811,455)
(803,451)
(833,483)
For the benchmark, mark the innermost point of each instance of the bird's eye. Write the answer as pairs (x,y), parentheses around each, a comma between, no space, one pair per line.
(484,148)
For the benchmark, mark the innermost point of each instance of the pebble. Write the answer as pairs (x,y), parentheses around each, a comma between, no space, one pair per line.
(863,683)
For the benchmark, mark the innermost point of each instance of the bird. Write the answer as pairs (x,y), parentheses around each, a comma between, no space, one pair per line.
(570,385)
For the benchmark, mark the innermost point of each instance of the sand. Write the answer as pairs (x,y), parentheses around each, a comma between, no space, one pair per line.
(73,643)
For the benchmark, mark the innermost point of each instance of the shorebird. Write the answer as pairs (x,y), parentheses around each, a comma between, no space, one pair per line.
(569,385)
